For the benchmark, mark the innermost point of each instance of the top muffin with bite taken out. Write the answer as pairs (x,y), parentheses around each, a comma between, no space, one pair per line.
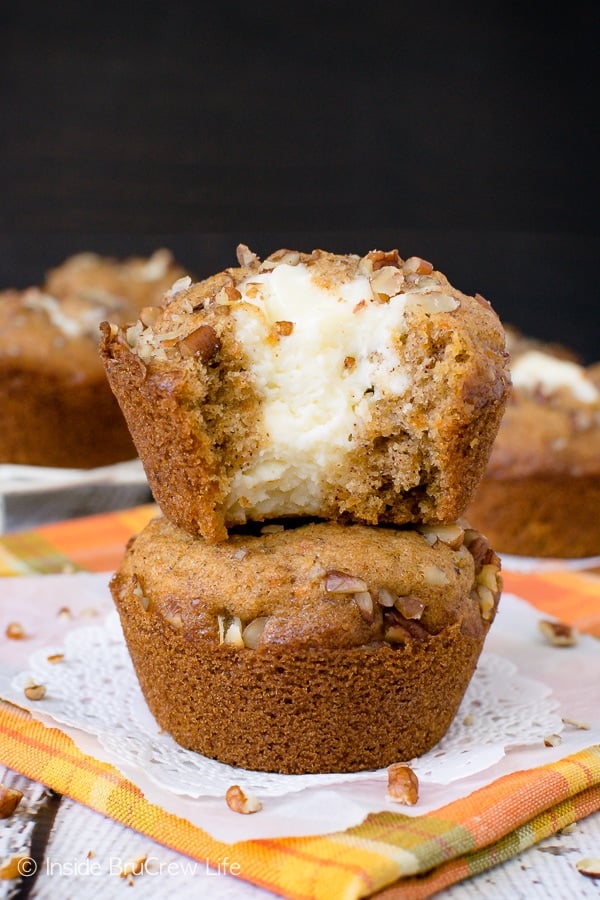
(321,385)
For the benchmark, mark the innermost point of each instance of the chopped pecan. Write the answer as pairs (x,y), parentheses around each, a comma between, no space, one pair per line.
(337,582)
(9,800)
(398,630)
(381,258)
(364,601)
(559,634)
(403,784)
(202,343)
(241,802)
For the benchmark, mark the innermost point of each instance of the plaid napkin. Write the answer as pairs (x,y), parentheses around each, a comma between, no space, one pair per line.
(389,854)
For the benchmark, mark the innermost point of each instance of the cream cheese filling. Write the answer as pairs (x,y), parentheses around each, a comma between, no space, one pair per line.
(319,355)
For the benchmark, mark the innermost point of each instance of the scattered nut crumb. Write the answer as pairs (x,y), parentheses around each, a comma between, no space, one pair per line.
(34,691)
(582,725)
(15,631)
(64,613)
(554,849)
(468,719)
(403,784)
(589,865)
(56,658)
(245,256)
(11,869)
(240,802)
(558,634)
(552,740)
(9,800)
(283,329)
(133,866)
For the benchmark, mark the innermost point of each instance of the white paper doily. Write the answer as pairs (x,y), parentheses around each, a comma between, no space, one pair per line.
(95,689)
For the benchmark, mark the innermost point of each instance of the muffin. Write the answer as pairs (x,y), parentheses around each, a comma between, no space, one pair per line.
(140,280)
(313,648)
(540,495)
(56,405)
(323,385)
(518,343)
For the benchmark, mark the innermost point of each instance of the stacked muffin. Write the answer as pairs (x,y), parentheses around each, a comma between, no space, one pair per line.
(312,427)
(540,494)
(56,405)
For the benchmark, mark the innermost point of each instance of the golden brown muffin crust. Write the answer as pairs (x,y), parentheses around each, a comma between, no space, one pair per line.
(319,648)
(186,387)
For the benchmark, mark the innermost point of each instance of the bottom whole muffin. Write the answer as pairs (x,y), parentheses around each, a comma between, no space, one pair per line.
(317,648)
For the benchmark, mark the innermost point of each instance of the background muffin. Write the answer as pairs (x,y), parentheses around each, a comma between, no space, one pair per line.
(540,495)
(56,405)
(139,280)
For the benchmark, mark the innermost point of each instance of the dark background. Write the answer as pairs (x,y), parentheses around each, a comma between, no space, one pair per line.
(464,133)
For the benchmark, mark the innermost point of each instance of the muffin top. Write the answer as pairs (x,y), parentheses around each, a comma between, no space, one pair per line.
(314,384)
(317,584)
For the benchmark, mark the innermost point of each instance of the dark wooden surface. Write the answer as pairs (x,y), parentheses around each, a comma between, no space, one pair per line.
(462,132)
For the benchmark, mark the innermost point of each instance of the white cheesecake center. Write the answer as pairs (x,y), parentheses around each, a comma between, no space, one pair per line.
(320,356)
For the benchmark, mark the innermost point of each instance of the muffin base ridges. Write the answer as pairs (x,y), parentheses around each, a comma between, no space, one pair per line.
(303,710)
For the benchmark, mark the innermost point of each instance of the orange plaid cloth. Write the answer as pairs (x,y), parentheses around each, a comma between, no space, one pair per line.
(389,854)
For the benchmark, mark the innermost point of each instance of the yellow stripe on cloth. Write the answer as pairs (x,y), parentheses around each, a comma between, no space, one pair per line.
(539,827)
(418,855)
(91,543)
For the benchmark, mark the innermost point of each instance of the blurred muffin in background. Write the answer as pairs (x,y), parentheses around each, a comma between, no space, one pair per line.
(518,343)
(540,495)
(56,406)
(139,280)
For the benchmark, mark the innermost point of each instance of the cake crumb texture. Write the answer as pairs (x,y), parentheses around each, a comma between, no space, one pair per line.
(349,388)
